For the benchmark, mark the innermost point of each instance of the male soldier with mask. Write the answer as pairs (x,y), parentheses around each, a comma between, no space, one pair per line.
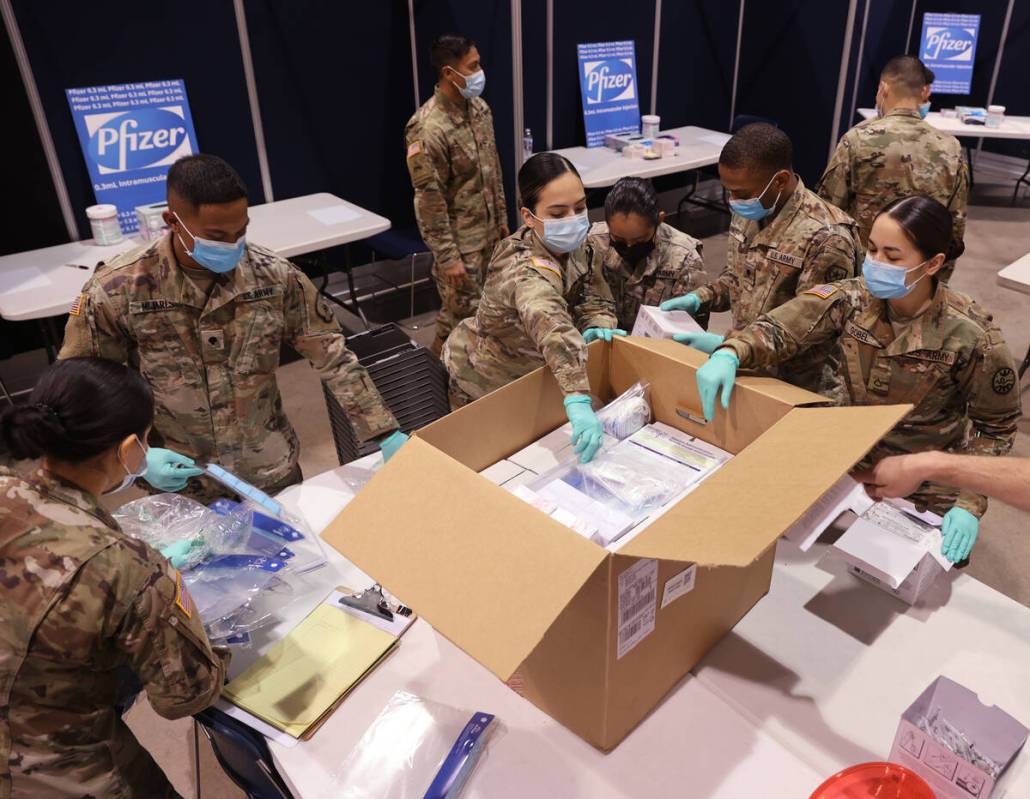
(202,314)
(459,193)
(899,155)
(783,240)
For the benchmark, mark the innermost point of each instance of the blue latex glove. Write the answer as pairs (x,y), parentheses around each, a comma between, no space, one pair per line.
(688,302)
(391,444)
(706,342)
(960,528)
(603,333)
(587,433)
(168,470)
(719,371)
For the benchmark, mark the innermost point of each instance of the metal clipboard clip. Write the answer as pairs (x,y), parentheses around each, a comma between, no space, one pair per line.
(372,601)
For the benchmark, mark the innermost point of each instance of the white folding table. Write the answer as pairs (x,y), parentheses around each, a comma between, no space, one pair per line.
(1016,276)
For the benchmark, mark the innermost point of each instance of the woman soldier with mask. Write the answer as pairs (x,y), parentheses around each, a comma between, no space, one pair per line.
(902,336)
(542,303)
(89,613)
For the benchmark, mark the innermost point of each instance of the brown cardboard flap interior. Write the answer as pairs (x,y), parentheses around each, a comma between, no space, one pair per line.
(484,568)
(741,509)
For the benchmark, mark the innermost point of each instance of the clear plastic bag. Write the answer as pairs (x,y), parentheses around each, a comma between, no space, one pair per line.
(627,413)
(637,479)
(415,749)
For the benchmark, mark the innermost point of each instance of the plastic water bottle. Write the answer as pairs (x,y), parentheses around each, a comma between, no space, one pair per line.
(527,144)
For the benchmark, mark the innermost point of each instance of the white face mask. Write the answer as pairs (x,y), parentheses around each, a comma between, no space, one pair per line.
(131,476)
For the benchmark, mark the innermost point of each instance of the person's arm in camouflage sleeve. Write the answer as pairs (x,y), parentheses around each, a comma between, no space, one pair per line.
(692,277)
(835,185)
(595,307)
(95,327)
(313,331)
(777,336)
(957,204)
(991,387)
(428,166)
(501,208)
(545,316)
(715,296)
(832,254)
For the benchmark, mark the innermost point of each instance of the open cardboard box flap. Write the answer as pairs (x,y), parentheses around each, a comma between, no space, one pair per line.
(427,528)
(738,512)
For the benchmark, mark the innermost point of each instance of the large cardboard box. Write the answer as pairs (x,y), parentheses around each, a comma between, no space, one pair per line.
(572,627)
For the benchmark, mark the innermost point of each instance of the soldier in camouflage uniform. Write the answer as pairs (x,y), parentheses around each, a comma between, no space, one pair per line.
(456,174)
(89,613)
(209,343)
(643,260)
(777,251)
(898,155)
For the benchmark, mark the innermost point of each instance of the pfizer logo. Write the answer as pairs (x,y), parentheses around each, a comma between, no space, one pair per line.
(128,140)
(948,43)
(608,81)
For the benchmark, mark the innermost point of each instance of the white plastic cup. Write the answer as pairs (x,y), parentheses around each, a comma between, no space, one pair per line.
(103,219)
(995,116)
(649,124)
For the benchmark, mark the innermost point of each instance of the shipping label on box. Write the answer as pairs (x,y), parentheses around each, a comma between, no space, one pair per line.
(652,322)
(638,594)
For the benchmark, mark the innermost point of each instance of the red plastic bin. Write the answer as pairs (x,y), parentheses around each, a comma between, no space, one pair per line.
(874,781)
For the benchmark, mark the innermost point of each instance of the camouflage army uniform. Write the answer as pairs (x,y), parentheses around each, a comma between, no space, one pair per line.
(459,197)
(86,607)
(673,268)
(807,243)
(950,362)
(880,160)
(533,311)
(211,358)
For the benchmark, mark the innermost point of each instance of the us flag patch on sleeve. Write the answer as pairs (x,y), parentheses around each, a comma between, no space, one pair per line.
(182,598)
(76,308)
(822,291)
(414,148)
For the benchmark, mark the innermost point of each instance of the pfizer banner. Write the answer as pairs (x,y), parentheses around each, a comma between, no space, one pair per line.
(608,83)
(949,47)
(130,134)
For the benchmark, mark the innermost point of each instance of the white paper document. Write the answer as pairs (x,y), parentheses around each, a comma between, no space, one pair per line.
(845,494)
(334,214)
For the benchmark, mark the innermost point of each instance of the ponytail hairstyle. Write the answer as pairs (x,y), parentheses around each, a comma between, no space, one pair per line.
(927,224)
(537,172)
(80,408)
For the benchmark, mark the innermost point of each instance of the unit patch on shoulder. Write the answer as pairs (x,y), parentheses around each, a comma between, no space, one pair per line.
(1004,380)
(182,598)
(414,148)
(823,291)
(76,308)
(543,263)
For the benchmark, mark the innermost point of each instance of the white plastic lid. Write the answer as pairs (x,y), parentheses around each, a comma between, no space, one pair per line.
(650,119)
(995,109)
(102,211)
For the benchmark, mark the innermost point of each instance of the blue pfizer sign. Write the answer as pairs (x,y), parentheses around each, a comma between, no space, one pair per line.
(608,84)
(948,47)
(130,134)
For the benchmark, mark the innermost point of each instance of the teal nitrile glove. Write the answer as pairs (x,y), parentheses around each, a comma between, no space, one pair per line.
(959,529)
(688,302)
(603,333)
(168,470)
(706,342)
(587,433)
(719,371)
(178,553)
(391,444)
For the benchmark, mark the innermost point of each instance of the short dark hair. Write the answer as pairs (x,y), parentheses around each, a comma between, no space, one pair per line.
(633,196)
(927,224)
(758,144)
(205,180)
(907,72)
(448,49)
(80,408)
(537,172)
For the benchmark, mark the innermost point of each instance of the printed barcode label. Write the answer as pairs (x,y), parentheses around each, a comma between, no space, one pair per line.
(682,583)
(638,592)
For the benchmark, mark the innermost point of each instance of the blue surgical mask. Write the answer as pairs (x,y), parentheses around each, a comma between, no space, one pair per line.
(474,84)
(887,282)
(924,109)
(218,256)
(753,209)
(566,234)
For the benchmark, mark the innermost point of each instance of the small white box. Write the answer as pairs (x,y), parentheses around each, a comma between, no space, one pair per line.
(501,472)
(652,322)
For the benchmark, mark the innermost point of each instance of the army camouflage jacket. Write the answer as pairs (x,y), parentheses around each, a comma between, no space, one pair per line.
(533,311)
(456,173)
(673,268)
(950,362)
(211,359)
(84,607)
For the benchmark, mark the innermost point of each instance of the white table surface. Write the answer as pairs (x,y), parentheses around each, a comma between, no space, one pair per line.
(601,166)
(694,745)
(1012,127)
(1016,276)
(38,283)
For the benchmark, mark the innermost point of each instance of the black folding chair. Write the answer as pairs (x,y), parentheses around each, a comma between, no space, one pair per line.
(243,755)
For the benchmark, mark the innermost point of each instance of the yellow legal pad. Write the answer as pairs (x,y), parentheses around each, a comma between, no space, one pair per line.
(303,677)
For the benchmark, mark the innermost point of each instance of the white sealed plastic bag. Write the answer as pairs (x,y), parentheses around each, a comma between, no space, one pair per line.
(415,749)
(627,413)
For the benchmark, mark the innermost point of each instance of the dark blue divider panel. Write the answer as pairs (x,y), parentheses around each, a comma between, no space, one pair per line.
(103,42)
(789,68)
(534,72)
(1013,87)
(884,39)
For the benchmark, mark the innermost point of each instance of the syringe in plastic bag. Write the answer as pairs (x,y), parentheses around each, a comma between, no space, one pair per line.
(243,488)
